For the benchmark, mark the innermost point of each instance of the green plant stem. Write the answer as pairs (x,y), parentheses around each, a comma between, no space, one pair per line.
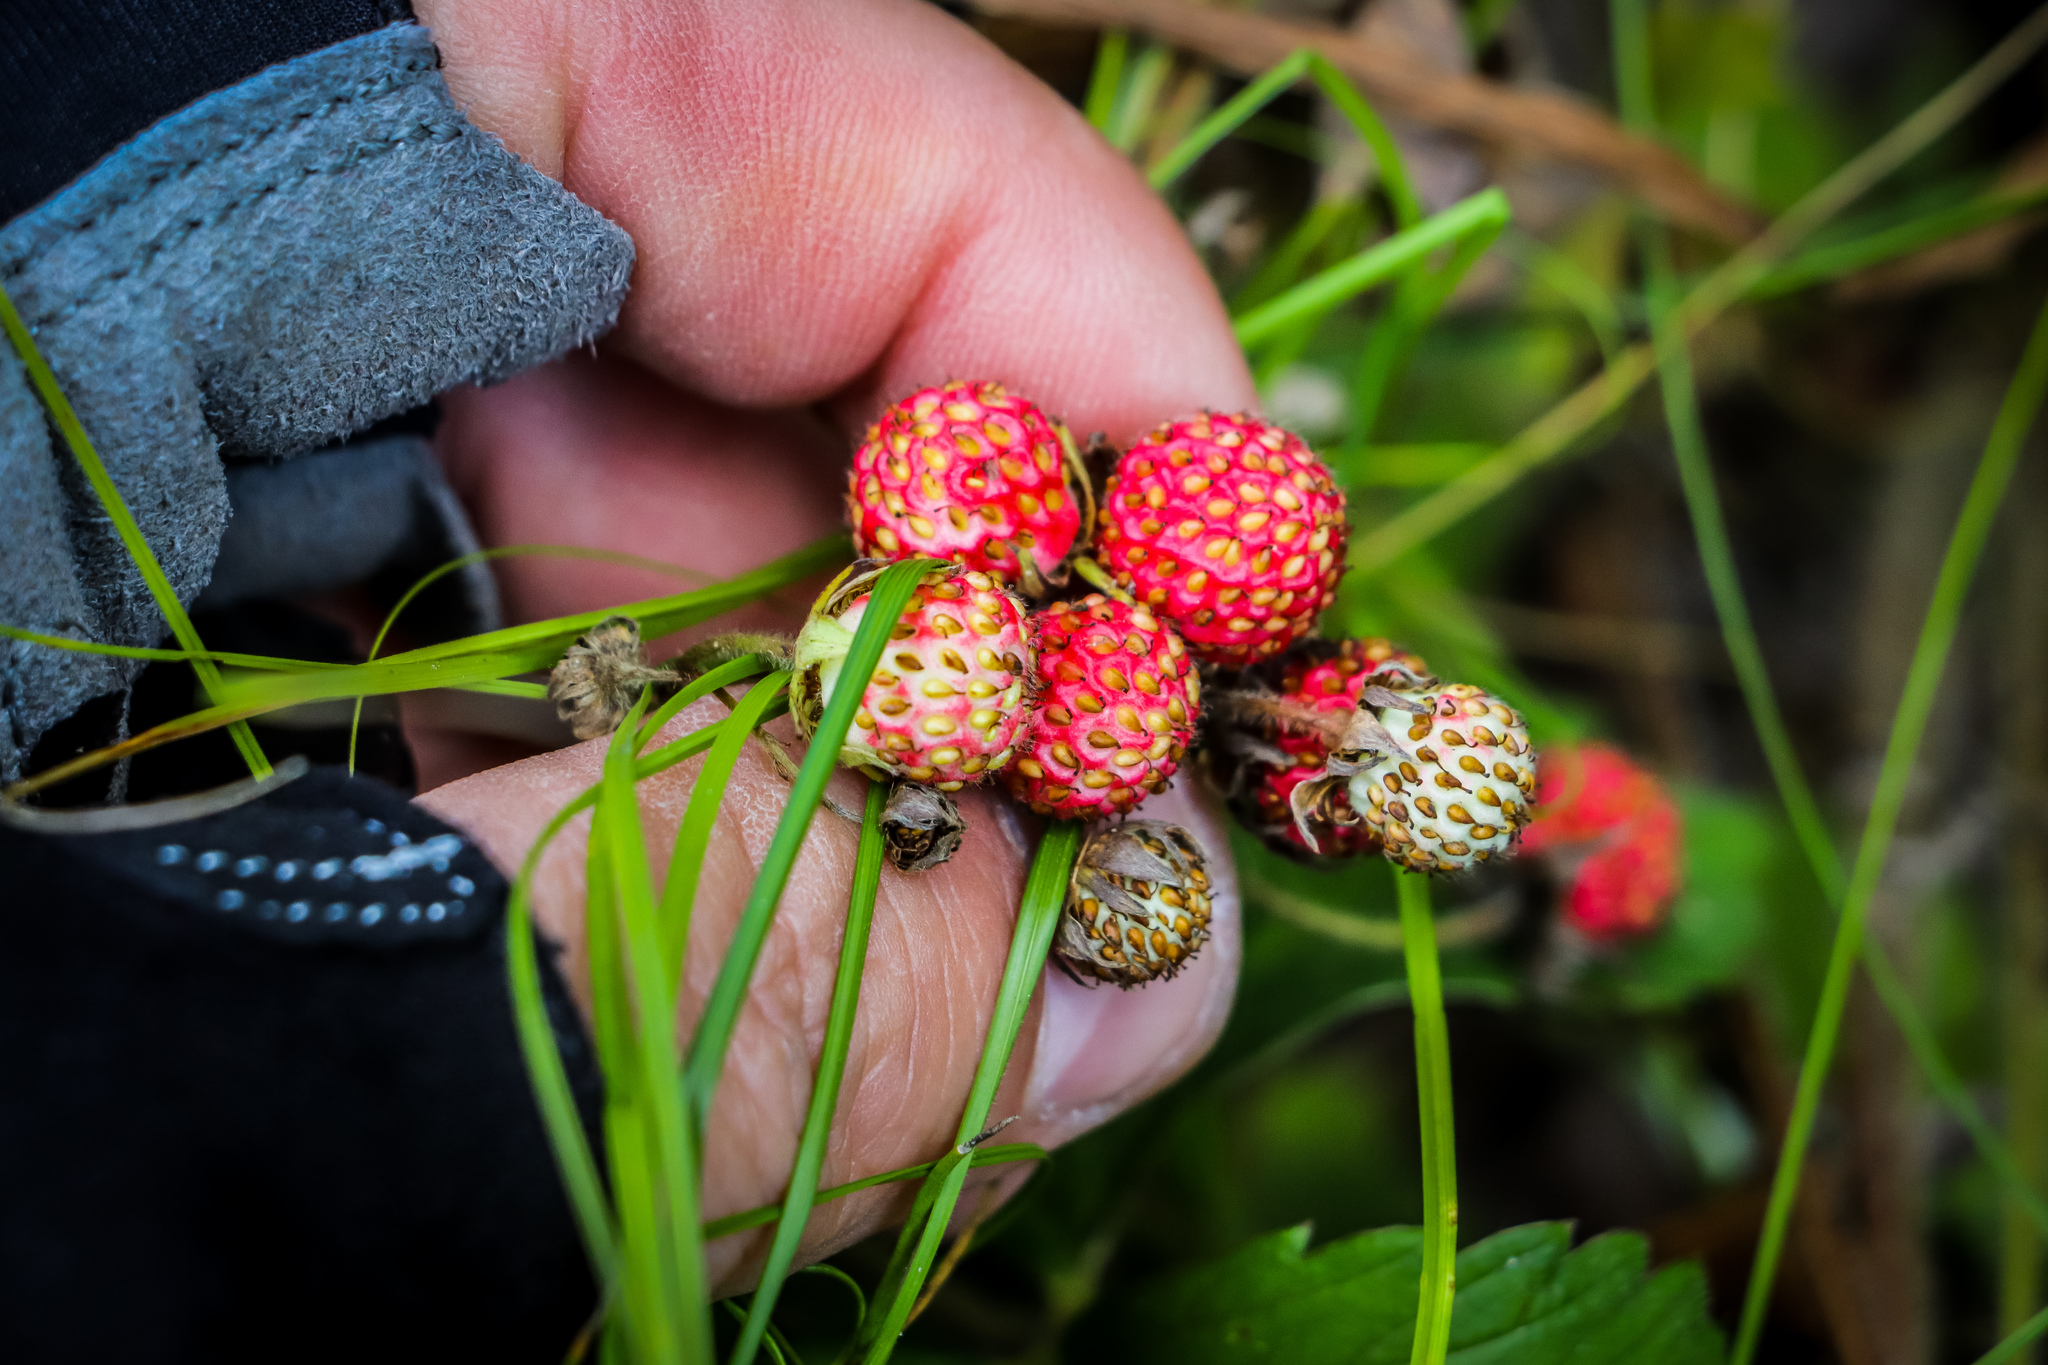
(2024,1336)
(1561,428)
(1439,1144)
(1485,212)
(1137,95)
(545,1068)
(817,1130)
(1823,264)
(1106,77)
(993,1155)
(73,431)
(1923,681)
(672,1255)
(887,598)
(1038,915)
(700,818)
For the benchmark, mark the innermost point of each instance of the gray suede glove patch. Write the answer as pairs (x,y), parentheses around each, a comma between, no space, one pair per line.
(281,264)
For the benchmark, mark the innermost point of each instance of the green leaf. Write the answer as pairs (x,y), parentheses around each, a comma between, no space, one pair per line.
(1524,1297)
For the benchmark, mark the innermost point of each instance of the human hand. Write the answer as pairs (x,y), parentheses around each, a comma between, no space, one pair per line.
(833,205)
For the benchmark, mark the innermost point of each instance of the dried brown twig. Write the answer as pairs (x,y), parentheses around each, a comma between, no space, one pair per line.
(1540,124)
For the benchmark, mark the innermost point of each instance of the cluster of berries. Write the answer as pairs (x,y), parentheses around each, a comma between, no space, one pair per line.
(1217,542)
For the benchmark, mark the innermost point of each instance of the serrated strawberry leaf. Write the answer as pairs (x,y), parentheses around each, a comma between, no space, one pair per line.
(1525,1297)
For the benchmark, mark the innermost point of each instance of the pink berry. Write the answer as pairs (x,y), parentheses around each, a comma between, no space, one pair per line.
(1228,527)
(1617,835)
(946,703)
(1117,701)
(969,473)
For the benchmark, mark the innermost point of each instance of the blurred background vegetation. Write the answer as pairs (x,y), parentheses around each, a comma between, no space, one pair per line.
(1643,1085)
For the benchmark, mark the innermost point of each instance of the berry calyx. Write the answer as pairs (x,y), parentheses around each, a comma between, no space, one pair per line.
(1117,700)
(1137,905)
(1229,527)
(967,472)
(1616,837)
(1275,732)
(946,703)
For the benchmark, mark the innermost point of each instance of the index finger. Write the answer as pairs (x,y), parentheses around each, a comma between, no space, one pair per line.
(845,202)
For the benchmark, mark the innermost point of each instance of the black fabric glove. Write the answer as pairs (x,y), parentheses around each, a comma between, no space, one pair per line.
(261,1096)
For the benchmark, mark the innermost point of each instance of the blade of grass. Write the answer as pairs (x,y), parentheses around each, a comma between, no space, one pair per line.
(545,1068)
(810,1150)
(1137,96)
(995,1155)
(461,562)
(700,818)
(1106,77)
(891,592)
(116,507)
(1439,1145)
(1824,264)
(1038,915)
(2013,1346)
(1486,211)
(1559,429)
(677,1250)
(1923,681)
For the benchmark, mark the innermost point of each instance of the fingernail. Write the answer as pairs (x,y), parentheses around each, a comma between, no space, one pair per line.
(1102,1050)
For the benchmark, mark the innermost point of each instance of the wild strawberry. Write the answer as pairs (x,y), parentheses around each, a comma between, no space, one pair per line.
(1615,835)
(1274,733)
(1138,905)
(969,473)
(1228,527)
(1454,787)
(946,703)
(1116,707)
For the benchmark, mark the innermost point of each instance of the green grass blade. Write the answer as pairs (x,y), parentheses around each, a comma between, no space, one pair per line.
(2013,1347)
(887,599)
(1227,119)
(810,1151)
(994,1155)
(700,687)
(1352,104)
(664,1126)
(700,818)
(545,1068)
(1106,78)
(1567,422)
(461,562)
(1378,263)
(1137,96)
(116,507)
(1824,264)
(266,662)
(1038,915)
(1439,1146)
(1923,681)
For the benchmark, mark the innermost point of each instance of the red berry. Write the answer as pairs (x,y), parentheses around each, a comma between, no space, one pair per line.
(1228,527)
(1327,679)
(1116,707)
(1617,833)
(969,473)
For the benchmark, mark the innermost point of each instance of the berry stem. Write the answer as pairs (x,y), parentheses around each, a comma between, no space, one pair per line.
(1097,577)
(1439,1146)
